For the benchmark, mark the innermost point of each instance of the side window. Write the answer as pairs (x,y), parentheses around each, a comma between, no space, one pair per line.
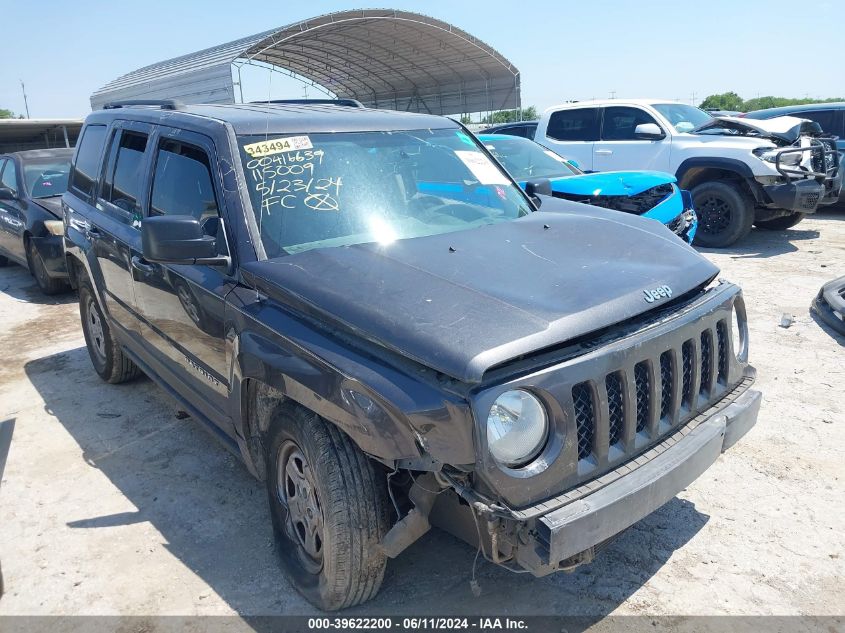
(85,167)
(122,182)
(620,122)
(182,183)
(825,118)
(9,177)
(579,124)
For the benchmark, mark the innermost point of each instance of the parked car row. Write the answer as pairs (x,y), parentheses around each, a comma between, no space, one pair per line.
(764,169)
(392,331)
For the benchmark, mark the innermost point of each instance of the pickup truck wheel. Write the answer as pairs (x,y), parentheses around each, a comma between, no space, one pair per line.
(47,284)
(725,214)
(329,508)
(109,360)
(782,223)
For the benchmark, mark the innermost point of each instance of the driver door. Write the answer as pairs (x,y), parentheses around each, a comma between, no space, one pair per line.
(619,148)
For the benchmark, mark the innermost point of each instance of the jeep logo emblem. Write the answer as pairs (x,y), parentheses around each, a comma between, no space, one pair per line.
(653,294)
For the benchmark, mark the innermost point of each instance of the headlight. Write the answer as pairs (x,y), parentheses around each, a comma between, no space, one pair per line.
(54,227)
(517,427)
(770,156)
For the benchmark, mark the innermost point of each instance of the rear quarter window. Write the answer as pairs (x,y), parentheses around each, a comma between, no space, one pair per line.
(86,165)
(578,124)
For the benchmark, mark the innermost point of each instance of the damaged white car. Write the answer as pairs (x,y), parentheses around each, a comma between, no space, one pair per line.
(741,172)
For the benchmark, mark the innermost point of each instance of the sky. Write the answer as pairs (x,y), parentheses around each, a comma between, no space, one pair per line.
(673,49)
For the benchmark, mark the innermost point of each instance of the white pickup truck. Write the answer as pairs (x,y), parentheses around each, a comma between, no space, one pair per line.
(741,172)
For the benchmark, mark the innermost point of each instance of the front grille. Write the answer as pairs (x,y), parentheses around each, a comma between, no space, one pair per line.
(682,380)
(706,359)
(582,400)
(638,203)
(642,380)
(722,344)
(616,416)
(665,385)
(686,353)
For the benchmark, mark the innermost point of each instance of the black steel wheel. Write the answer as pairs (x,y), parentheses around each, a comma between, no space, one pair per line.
(725,214)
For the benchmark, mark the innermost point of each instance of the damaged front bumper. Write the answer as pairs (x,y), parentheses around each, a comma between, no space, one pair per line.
(829,304)
(542,542)
(804,190)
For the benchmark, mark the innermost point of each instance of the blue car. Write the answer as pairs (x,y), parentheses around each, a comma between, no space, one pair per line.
(651,194)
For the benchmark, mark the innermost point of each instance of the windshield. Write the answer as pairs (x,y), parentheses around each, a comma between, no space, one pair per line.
(339,189)
(46,179)
(526,159)
(684,118)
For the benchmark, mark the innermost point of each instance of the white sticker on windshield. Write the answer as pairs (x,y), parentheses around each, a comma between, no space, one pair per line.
(482,168)
(277,146)
(550,153)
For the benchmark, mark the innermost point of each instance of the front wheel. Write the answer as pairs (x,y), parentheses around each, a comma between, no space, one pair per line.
(329,507)
(110,361)
(725,214)
(47,284)
(780,223)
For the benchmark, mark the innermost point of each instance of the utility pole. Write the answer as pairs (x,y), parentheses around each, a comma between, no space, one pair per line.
(692,101)
(26,105)
(612,94)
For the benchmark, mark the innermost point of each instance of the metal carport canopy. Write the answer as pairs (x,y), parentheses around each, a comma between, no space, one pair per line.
(382,57)
(24,134)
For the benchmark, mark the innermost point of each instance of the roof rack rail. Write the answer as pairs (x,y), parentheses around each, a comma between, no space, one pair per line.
(349,103)
(164,104)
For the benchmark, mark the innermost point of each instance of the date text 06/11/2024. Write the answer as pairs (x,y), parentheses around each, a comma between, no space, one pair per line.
(419,624)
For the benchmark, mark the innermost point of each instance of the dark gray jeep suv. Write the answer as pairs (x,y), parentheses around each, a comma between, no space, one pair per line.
(367,309)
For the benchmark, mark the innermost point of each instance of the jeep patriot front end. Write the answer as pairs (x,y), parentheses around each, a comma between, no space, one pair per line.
(392,334)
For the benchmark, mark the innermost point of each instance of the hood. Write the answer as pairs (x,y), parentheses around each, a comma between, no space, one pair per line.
(783,128)
(611,183)
(463,302)
(52,205)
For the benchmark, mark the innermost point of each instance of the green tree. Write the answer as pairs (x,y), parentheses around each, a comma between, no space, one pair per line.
(466,119)
(724,101)
(6,114)
(732,101)
(508,116)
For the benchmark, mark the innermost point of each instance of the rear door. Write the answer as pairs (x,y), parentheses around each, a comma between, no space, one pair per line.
(182,306)
(115,224)
(12,219)
(831,121)
(572,133)
(620,149)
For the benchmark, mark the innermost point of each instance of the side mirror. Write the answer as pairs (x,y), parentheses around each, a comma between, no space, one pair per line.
(649,132)
(178,239)
(536,188)
(7,194)
(574,163)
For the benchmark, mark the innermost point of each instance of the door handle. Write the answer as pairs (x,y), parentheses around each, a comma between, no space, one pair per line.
(604,152)
(93,233)
(141,265)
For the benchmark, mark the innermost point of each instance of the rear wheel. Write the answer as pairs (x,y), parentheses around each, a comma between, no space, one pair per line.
(110,361)
(780,223)
(725,214)
(47,284)
(329,508)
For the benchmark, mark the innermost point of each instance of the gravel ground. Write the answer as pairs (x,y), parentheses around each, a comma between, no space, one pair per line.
(112,504)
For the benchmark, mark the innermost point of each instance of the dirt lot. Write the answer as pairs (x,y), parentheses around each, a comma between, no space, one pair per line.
(111,504)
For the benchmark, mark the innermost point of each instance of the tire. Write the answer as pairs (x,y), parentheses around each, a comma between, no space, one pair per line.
(109,360)
(329,508)
(781,223)
(47,284)
(725,214)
